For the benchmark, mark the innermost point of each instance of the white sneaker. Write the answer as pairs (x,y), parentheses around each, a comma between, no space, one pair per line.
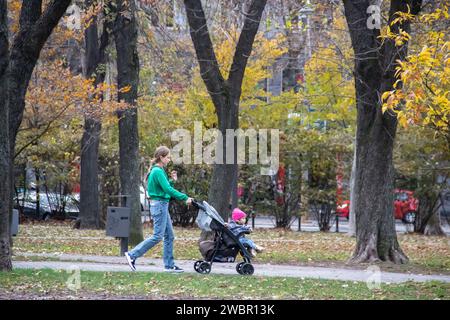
(259,249)
(131,262)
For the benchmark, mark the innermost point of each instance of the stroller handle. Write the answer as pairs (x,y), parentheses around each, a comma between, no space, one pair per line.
(197,204)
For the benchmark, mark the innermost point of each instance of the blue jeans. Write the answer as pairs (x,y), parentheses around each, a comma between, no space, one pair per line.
(162,229)
(247,242)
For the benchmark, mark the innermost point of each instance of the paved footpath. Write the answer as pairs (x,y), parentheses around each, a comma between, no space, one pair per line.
(118,264)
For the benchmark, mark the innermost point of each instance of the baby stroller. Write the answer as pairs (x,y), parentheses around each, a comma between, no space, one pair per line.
(224,247)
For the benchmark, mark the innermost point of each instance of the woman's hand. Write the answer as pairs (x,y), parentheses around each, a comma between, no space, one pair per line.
(174,175)
(189,201)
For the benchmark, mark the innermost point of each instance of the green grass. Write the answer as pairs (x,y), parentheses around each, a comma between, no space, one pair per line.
(102,285)
(426,254)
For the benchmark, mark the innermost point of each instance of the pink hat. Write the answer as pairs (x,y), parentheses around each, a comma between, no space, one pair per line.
(238,214)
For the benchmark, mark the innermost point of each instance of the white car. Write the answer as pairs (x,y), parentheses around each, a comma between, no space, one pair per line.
(49,203)
(144,199)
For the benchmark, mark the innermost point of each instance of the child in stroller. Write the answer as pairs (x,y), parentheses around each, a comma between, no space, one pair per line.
(225,246)
(238,227)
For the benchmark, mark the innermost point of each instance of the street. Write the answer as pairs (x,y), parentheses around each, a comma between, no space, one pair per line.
(310,225)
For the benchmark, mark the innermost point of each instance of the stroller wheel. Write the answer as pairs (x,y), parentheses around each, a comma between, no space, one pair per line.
(239,267)
(247,269)
(204,268)
(197,264)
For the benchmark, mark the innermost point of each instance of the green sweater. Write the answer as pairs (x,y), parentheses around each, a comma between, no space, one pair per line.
(159,187)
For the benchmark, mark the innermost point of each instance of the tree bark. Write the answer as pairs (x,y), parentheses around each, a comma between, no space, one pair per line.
(225,94)
(234,190)
(433,227)
(351,223)
(89,196)
(427,219)
(294,64)
(34,29)
(89,181)
(5,159)
(375,65)
(125,34)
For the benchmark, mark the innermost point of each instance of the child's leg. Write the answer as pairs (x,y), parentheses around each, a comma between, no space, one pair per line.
(249,245)
(247,242)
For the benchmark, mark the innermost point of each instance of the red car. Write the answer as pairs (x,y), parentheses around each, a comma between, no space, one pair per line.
(343,210)
(405,206)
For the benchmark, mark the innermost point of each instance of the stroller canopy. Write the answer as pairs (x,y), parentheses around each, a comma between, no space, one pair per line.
(206,215)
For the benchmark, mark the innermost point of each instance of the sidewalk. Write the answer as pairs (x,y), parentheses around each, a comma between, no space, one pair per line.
(118,264)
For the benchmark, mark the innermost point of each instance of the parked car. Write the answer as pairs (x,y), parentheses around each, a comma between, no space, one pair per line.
(28,208)
(444,210)
(343,210)
(49,204)
(405,206)
(144,199)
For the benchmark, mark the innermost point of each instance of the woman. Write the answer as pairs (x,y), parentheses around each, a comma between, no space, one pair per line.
(160,191)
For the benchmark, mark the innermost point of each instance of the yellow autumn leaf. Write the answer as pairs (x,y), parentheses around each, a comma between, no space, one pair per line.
(125,89)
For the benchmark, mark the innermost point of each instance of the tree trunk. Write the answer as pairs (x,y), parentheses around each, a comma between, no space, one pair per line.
(234,191)
(125,33)
(375,225)
(375,65)
(351,222)
(427,219)
(38,192)
(223,175)
(433,227)
(89,197)
(5,167)
(34,29)
(89,181)
(225,94)
(424,212)
(294,65)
